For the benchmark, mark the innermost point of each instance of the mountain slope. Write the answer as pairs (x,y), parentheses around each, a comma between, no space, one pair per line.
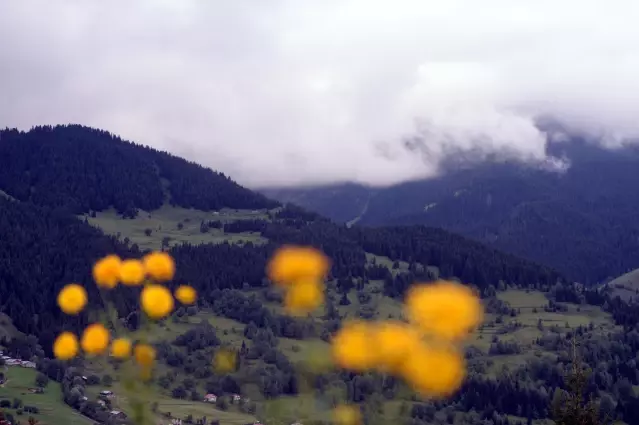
(71,168)
(513,359)
(341,203)
(584,222)
(86,169)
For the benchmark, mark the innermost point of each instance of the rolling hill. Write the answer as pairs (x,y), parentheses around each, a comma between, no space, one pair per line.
(583,222)
(65,208)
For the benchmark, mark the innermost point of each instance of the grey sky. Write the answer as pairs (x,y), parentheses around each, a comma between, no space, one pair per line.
(300,91)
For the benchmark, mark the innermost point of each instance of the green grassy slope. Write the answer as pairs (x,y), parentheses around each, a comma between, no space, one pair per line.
(531,323)
(52,411)
(179,225)
(626,286)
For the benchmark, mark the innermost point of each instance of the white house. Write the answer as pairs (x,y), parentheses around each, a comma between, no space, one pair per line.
(106,393)
(210,398)
(118,414)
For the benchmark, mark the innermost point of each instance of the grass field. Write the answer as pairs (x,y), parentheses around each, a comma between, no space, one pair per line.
(53,411)
(167,405)
(529,303)
(177,224)
(524,328)
(626,286)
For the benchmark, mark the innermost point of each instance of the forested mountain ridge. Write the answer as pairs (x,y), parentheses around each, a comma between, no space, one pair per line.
(583,222)
(53,171)
(516,360)
(84,169)
(42,249)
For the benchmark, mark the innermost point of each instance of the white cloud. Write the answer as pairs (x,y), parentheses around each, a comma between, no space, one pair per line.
(291,91)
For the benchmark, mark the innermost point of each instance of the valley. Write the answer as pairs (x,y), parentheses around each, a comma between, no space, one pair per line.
(221,236)
(581,221)
(530,323)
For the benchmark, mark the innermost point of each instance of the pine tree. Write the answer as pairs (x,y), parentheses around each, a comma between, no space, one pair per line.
(571,408)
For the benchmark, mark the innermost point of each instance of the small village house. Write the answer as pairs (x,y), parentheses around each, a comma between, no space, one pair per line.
(118,414)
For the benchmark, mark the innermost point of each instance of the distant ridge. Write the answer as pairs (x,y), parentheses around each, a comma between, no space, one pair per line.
(85,169)
(583,222)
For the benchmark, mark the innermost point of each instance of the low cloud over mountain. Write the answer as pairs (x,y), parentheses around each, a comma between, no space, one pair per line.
(288,92)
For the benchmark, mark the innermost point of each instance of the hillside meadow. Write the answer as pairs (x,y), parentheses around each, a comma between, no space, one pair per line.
(531,321)
(131,199)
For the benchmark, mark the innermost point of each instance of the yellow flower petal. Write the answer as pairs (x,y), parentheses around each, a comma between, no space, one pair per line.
(72,298)
(144,355)
(294,263)
(121,348)
(132,272)
(434,371)
(160,266)
(394,341)
(352,347)
(446,309)
(346,415)
(186,294)
(157,301)
(106,271)
(95,339)
(304,296)
(65,346)
(224,361)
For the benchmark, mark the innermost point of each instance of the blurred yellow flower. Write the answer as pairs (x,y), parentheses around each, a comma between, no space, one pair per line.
(446,309)
(159,265)
(95,339)
(346,415)
(304,296)
(65,346)
(132,272)
(121,348)
(224,361)
(72,298)
(393,341)
(293,263)
(106,271)
(186,294)
(352,347)
(157,301)
(144,355)
(434,371)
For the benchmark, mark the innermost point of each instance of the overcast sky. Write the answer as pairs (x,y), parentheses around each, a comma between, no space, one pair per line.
(305,91)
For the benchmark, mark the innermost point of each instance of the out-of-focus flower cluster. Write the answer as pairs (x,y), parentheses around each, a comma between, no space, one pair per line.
(424,351)
(156,301)
(301,271)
